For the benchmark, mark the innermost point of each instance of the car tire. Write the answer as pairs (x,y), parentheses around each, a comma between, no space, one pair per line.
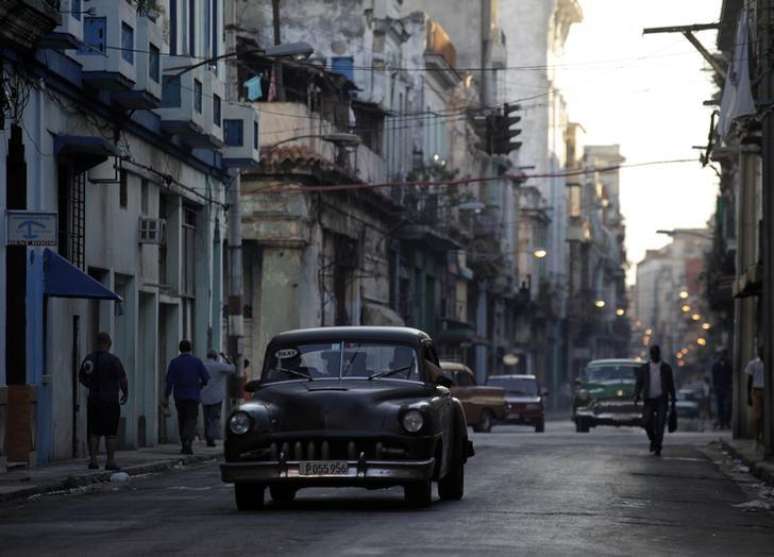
(484,424)
(282,494)
(249,497)
(419,495)
(540,427)
(452,486)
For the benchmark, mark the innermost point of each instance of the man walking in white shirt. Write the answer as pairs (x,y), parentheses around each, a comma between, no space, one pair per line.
(656,386)
(755,385)
(214,393)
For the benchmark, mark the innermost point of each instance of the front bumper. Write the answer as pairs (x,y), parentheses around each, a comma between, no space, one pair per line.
(609,418)
(360,472)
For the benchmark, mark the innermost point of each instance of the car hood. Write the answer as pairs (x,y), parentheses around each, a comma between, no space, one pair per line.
(610,389)
(349,405)
(521,399)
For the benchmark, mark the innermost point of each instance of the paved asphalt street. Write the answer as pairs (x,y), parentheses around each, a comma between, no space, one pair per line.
(559,493)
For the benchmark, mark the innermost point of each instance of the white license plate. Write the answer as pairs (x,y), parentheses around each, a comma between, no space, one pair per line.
(323,468)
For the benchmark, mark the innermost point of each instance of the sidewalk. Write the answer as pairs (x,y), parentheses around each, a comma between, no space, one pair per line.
(744,450)
(71,474)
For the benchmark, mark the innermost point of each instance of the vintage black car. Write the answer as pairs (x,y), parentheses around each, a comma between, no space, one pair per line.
(348,406)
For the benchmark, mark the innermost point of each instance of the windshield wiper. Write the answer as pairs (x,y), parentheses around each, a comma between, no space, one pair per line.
(296,373)
(388,372)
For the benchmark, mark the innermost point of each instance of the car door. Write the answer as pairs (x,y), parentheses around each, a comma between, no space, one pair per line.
(443,404)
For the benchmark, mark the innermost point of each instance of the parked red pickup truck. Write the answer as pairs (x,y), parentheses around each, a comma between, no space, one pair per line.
(483,406)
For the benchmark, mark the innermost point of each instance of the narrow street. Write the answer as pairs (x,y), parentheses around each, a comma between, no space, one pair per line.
(560,493)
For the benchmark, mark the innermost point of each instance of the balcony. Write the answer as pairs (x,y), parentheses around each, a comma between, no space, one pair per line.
(146,94)
(182,102)
(25,22)
(214,102)
(106,67)
(241,127)
(69,33)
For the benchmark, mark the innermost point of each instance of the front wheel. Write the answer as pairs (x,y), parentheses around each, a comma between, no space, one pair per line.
(581,426)
(249,497)
(452,486)
(540,427)
(484,424)
(419,495)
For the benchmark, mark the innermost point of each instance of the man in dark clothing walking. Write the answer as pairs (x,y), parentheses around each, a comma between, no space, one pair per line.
(656,386)
(722,380)
(103,374)
(186,376)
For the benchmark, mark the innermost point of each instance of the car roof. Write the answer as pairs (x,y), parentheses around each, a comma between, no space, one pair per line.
(513,376)
(614,361)
(455,366)
(396,334)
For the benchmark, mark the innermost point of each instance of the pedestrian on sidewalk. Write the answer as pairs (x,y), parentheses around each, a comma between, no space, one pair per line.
(186,375)
(103,374)
(656,386)
(722,377)
(755,386)
(214,393)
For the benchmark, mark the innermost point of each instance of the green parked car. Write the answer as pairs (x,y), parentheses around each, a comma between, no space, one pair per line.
(604,395)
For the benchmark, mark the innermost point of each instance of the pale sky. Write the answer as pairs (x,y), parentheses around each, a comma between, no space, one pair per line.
(645,92)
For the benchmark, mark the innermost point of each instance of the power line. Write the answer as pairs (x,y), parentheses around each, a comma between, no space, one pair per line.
(470,180)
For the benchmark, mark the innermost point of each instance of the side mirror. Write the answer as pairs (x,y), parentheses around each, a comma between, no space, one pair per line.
(544,392)
(444,381)
(578,382)
(252,386)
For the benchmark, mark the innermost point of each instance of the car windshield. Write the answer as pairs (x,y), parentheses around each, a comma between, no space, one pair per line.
(341,359)
(515,385)
(611,373)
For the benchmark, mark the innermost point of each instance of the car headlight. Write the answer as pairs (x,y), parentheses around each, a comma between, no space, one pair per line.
(533,407)
(413,420)
(239,423)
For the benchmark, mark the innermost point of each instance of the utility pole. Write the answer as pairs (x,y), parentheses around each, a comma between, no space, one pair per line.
(278,72)
(234,233)
(765,26)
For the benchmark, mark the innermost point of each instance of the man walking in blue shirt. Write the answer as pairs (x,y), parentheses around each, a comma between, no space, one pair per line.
(186,376)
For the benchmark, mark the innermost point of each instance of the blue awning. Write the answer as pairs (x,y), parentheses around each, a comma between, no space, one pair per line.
(83,152)
(62,279)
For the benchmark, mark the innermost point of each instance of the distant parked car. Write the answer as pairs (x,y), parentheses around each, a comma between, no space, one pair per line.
(348,406)
(524,400)
(604,395)
(483,405)
(687,406)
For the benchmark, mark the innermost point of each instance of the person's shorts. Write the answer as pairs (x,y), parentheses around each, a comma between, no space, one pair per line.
(103,417)
(757,404)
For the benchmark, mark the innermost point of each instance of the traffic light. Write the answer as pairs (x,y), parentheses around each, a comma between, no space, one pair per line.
(484,126)
(504,134)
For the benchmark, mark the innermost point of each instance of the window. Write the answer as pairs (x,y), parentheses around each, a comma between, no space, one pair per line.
(216,110)
(215,49)
(94,35)
(343,65)
(255,135)
(170,91)
(188,283)
(192,28)
(145,197)
(154,63)
(198,96)
(75,9)
(127,42)
(232,133)
(123,190)
(173,27)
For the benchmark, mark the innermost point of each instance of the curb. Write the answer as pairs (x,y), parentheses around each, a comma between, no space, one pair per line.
(760,469)
(74,482)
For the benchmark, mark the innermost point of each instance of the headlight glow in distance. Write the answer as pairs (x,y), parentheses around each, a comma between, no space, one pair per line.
(239,424)
(413,421)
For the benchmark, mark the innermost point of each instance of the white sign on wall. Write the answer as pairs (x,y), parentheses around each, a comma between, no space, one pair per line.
(30,228)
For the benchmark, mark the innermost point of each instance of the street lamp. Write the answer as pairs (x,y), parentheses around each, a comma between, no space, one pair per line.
(683,294)
(298,51)
(685,232)
(701,341)
(706,326)
(686,308)
(600,304)
(696,317)
(540,253)
(620,312)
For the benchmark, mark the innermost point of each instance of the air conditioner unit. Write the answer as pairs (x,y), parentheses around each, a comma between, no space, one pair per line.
(182,109)
(153,231)
(241,129)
